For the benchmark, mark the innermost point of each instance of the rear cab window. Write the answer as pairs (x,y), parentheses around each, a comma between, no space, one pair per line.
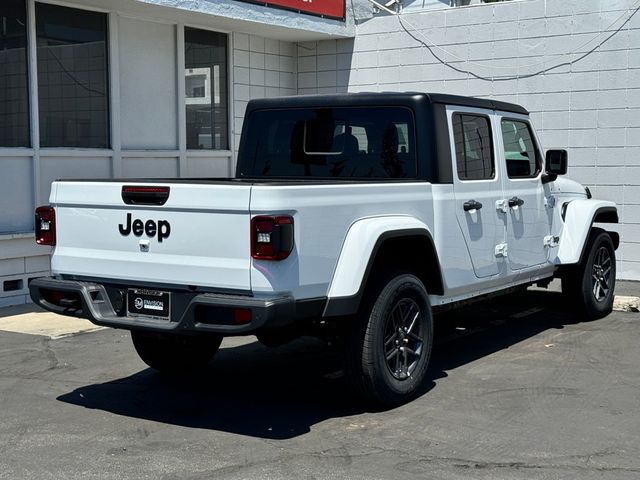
(330,142)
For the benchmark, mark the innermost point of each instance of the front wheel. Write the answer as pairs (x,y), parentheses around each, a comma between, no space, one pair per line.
(390,342)
(174,353)
(591,283)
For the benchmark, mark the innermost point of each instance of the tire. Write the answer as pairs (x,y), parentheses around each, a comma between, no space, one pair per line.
(174,353)
(385,365)
(590,284)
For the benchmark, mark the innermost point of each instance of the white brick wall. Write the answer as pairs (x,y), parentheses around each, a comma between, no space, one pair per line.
(262,67)
(591,106)
(15,274)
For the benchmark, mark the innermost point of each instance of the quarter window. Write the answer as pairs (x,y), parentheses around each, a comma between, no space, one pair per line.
(474,150)
(205,55)
(522,156)
(14,90)
(73,88)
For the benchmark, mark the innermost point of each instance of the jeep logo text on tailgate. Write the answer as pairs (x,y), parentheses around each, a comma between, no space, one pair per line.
(151,228)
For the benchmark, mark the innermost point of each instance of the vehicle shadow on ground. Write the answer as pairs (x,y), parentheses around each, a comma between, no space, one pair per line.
(281,393)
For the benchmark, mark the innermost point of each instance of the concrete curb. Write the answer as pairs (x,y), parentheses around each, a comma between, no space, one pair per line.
(622,303)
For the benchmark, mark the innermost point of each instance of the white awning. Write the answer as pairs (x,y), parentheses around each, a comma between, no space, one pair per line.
(233,15)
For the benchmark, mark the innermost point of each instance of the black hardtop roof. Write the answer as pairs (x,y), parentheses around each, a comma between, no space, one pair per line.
(380,99)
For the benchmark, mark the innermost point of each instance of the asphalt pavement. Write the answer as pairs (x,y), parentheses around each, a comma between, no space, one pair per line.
(518,388)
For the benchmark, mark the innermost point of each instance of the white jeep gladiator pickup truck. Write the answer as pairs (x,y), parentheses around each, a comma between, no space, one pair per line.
(358,213)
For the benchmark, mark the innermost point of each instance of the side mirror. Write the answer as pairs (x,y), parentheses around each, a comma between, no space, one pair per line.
(556,162)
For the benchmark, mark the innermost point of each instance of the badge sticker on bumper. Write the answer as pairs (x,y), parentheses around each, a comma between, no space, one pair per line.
(149,303)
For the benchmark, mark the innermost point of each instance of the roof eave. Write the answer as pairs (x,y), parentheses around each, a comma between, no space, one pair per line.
(260,20)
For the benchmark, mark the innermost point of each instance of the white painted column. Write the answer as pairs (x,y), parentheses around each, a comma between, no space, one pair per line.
(33,99)
(114,95)
(181,107)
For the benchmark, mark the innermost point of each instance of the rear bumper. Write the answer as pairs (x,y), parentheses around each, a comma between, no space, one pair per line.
(190,311)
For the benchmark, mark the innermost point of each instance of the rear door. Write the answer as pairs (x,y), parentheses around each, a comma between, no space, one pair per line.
(199,236)
(477,187)
(528,219)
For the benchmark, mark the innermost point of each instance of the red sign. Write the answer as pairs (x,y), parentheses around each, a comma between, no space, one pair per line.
(323,8)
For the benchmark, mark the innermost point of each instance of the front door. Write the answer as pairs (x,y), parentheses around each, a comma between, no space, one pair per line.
(477,187)
(528,222)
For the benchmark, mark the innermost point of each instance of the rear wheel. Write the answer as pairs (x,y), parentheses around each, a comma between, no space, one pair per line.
(390,342)
(175,353)
(591,283)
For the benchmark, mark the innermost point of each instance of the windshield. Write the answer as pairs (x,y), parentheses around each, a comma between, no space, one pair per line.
(344,142)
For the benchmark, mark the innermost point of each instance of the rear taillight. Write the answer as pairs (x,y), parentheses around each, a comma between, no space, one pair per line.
(45,225)
(271,237)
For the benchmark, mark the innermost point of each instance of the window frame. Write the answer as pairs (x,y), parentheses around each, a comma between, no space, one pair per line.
(486,116)
(110,71)
(182,96)
(534,139)
(28,76)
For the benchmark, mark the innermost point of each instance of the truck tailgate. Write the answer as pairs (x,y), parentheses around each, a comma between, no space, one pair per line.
(198,237)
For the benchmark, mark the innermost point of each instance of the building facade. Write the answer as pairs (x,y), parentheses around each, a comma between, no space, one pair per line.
(129,88)
(157,88)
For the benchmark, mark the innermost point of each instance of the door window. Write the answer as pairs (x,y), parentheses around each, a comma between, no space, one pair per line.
(474,150)
(520,152)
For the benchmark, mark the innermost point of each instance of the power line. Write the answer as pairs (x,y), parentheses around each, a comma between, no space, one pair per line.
(431,46)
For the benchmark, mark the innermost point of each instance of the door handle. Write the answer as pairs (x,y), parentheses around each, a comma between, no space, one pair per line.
(471,205)
(515,202)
